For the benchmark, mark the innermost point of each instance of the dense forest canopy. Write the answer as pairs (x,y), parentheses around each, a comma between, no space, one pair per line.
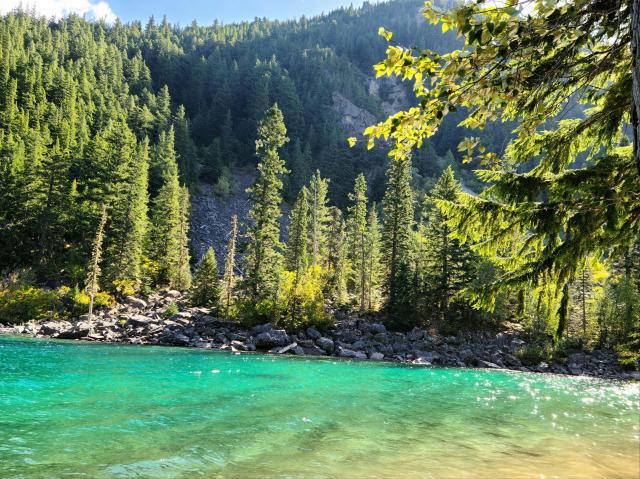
(74,92)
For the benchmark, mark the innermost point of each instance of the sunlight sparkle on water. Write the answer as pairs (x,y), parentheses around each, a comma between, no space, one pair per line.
(105,411)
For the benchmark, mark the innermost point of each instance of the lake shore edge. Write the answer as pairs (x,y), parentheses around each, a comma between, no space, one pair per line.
(144,322)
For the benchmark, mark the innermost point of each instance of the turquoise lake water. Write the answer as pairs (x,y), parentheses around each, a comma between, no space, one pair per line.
(75,410)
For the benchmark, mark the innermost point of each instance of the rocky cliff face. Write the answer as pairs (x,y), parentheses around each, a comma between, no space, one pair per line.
(354,119)
(211,217)
(391,93)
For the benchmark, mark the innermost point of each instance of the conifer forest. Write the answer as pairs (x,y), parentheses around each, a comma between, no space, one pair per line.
(456,167)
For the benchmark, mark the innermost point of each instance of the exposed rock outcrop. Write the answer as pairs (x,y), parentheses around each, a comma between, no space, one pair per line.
(353,118)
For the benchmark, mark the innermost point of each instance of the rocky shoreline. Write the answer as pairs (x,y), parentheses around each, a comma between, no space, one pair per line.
(145,322)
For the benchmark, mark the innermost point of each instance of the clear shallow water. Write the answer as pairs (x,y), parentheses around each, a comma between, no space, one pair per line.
(103,411)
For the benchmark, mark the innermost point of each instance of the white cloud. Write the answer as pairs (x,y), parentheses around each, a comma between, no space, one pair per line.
(59,8)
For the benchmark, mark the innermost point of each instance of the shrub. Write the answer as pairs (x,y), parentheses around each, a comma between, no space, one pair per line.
(533,354)
(76,301)
(172,310)
(618,311)
(27,303)
(125,287)
(629,352)
(302,303)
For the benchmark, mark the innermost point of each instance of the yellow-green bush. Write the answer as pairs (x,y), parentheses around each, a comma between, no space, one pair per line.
(125,287)
(299,304)
(27,303)
(302,302)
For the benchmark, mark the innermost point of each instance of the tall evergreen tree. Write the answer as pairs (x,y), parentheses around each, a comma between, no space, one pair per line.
(357,231)
(337,258)
(296,255)
(168,240)
(449,264)
(185,148)
(163,160)
(94,267)
(128,225)
(320,218)
(397,239)
(264,257)
(373,256)
(183,270)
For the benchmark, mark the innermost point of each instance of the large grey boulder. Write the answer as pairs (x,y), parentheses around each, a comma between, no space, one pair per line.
(313,351)
(416,334)
(262,328)
(326,345)
(271,339)
(135,302)
(138,320)
(351,354)
(54,328)
(377,328)
(313,333)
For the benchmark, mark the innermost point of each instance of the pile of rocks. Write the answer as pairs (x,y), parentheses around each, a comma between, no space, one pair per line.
(139,321)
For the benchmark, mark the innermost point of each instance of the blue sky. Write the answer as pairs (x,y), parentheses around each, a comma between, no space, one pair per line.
(205,11)
(180,11)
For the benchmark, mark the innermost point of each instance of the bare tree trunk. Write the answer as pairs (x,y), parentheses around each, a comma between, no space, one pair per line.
(230,262)
(94,272)
(635,59)
(363,272)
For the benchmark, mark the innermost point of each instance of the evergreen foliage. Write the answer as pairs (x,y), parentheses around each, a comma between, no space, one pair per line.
(449,265)
(168,244)
(264,256)
(319,219)
(373,261)
(206,285)
(296,257)
(94,268)
(357,233)
(397,240)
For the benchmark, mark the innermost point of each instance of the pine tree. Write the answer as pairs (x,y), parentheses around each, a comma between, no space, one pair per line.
(264,257)
(298,164)
(206,285)
(229,276)
(168,241)
(128,224)
(319,219)
(94,268)
(337,258)
(185,148)
(163,160)
(296,255)
(449,265)
(183,270)
(357,232)
(373,259)
(397,239)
